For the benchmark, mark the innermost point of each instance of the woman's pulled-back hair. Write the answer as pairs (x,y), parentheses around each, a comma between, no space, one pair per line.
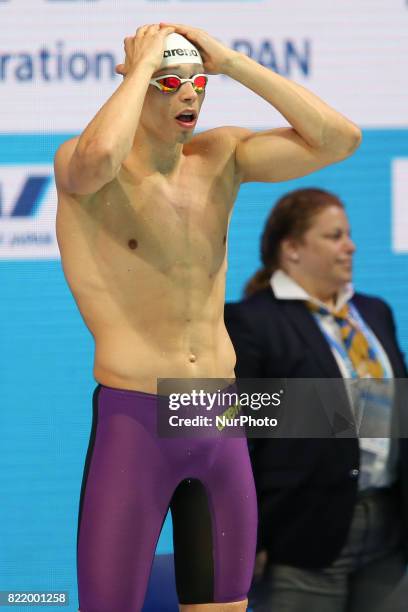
(291,217)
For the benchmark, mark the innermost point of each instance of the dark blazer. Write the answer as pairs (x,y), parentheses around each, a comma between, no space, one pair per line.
(306,487)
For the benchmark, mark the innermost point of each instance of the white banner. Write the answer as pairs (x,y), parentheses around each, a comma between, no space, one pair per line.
(57,57)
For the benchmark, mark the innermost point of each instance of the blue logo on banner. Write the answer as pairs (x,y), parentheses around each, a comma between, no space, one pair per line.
(29,199)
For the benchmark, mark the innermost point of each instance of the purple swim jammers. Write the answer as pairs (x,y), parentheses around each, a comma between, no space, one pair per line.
(131,478)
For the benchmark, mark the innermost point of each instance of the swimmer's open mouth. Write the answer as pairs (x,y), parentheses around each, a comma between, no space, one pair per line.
(187,117)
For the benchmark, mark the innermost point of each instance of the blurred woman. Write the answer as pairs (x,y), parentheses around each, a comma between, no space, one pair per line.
(333,512)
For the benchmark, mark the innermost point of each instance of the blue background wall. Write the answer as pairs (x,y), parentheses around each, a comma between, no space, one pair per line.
(46,358)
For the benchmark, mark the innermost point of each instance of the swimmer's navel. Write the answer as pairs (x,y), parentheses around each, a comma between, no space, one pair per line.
(132,244)
(192,358)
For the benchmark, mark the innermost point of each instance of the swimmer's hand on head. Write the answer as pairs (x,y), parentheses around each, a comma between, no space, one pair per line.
(83,165)
(317,134)
(146,47)
(216,56)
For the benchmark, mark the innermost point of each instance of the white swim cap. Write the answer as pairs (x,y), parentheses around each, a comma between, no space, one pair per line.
(179,50)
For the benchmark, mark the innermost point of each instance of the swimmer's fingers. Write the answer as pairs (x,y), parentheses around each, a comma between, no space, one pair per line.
(124,67)
(152,29)
(140,32)
(166,30)
(147,45)
(216,56)
(181,28)
(127,43)
(193,34)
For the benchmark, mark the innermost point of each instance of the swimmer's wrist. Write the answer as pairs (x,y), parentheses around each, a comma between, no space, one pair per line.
(235,61)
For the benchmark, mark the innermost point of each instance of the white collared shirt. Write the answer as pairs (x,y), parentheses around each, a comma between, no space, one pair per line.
(377,466)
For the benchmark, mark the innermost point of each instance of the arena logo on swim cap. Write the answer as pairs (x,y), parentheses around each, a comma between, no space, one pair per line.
(179,49)
(189,52)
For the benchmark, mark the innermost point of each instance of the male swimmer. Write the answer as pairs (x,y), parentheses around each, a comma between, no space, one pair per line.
(142,222)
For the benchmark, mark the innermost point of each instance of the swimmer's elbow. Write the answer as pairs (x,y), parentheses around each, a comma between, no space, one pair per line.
(98,159)
(345,142)
(91,167)
(352,139)
(355,139)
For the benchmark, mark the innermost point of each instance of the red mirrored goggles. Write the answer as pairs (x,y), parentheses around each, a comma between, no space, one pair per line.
(170,83)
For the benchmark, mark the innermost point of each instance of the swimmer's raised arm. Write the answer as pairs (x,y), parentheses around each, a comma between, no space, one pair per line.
(83,165)
(318,137)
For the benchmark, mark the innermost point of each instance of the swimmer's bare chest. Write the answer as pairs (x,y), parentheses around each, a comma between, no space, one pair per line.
(146,257)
